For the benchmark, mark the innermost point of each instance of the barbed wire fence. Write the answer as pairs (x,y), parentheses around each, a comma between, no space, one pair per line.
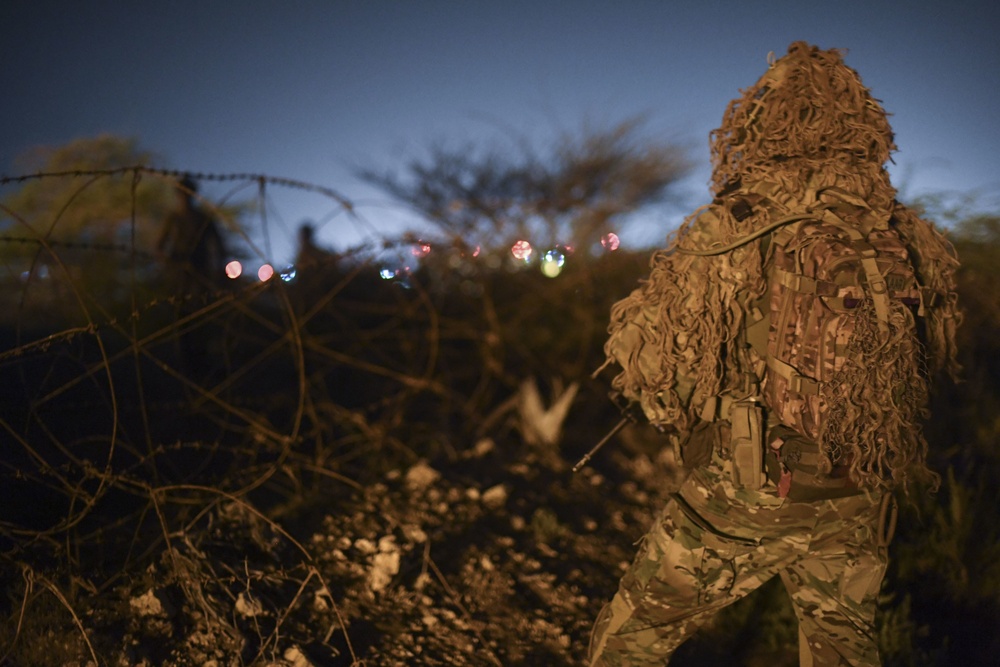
(118,448)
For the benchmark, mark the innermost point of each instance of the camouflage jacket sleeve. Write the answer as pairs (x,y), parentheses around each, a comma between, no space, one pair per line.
(672,335)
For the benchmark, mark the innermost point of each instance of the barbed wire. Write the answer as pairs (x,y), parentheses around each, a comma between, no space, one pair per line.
(196,175)
(125,445)
(78,245)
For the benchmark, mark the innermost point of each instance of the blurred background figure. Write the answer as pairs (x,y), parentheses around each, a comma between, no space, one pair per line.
(309,257)
(191,246)
(192,250)
(316,267)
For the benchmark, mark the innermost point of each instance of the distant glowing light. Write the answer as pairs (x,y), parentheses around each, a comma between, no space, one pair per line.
(475,253)
(552,263)
(521,250)
(610,241)
(401,276)
(234,270)
(265,273)
(288,274)
(421,250)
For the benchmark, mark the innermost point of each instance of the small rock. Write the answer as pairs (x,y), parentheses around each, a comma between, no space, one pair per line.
(364,546)
(322,599)
(297,657)
(483,447)
(385,564)
(147,604)
(414,534)
(495,496)
(247,607)
(421,476)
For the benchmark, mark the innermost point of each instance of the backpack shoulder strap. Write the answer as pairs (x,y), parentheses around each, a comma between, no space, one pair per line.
(877,286)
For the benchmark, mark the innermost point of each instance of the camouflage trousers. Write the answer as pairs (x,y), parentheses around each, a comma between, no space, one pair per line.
(713,544)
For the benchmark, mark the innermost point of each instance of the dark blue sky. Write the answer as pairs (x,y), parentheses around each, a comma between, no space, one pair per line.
(309,90)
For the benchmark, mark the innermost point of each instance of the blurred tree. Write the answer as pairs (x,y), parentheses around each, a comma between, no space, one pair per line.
(77,232)
(570,197)
(81,205)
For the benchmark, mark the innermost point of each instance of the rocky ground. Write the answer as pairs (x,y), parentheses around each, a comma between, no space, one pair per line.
(495,555)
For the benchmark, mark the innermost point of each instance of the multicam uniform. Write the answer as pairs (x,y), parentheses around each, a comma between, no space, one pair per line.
(713,544)
(791,475)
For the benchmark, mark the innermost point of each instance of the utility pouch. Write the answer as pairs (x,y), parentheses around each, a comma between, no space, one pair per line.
(704,440)
(801,473)
(747,445)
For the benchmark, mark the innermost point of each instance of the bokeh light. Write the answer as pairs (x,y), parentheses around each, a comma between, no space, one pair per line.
(421,249)
(521,250)
(265,273)
(400,276)
(234,270)
(552,263)
(610,241)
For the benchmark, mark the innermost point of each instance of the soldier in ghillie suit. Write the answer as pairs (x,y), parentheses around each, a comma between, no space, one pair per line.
(784,341)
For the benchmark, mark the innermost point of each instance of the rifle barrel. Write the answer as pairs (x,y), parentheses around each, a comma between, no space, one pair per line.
(603,441)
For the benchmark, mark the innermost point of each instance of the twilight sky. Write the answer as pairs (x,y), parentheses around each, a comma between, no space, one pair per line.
(311,90)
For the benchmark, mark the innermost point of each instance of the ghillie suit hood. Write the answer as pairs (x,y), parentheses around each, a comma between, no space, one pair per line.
(808,133)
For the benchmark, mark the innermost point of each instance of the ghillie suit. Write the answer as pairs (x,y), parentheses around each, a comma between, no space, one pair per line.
(785,340)
(807,139)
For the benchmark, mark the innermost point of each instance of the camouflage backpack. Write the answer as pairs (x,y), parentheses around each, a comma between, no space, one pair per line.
(820,272)
(826,260)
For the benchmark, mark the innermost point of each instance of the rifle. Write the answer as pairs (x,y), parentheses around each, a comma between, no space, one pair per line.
(630,413)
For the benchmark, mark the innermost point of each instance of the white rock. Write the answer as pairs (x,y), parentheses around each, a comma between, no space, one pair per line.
(247,607)
(483,447)
(322,599)
(147,604)
(495,496)
(364,546)
(385,564)
(420,476)
(414,534)
(297,657)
